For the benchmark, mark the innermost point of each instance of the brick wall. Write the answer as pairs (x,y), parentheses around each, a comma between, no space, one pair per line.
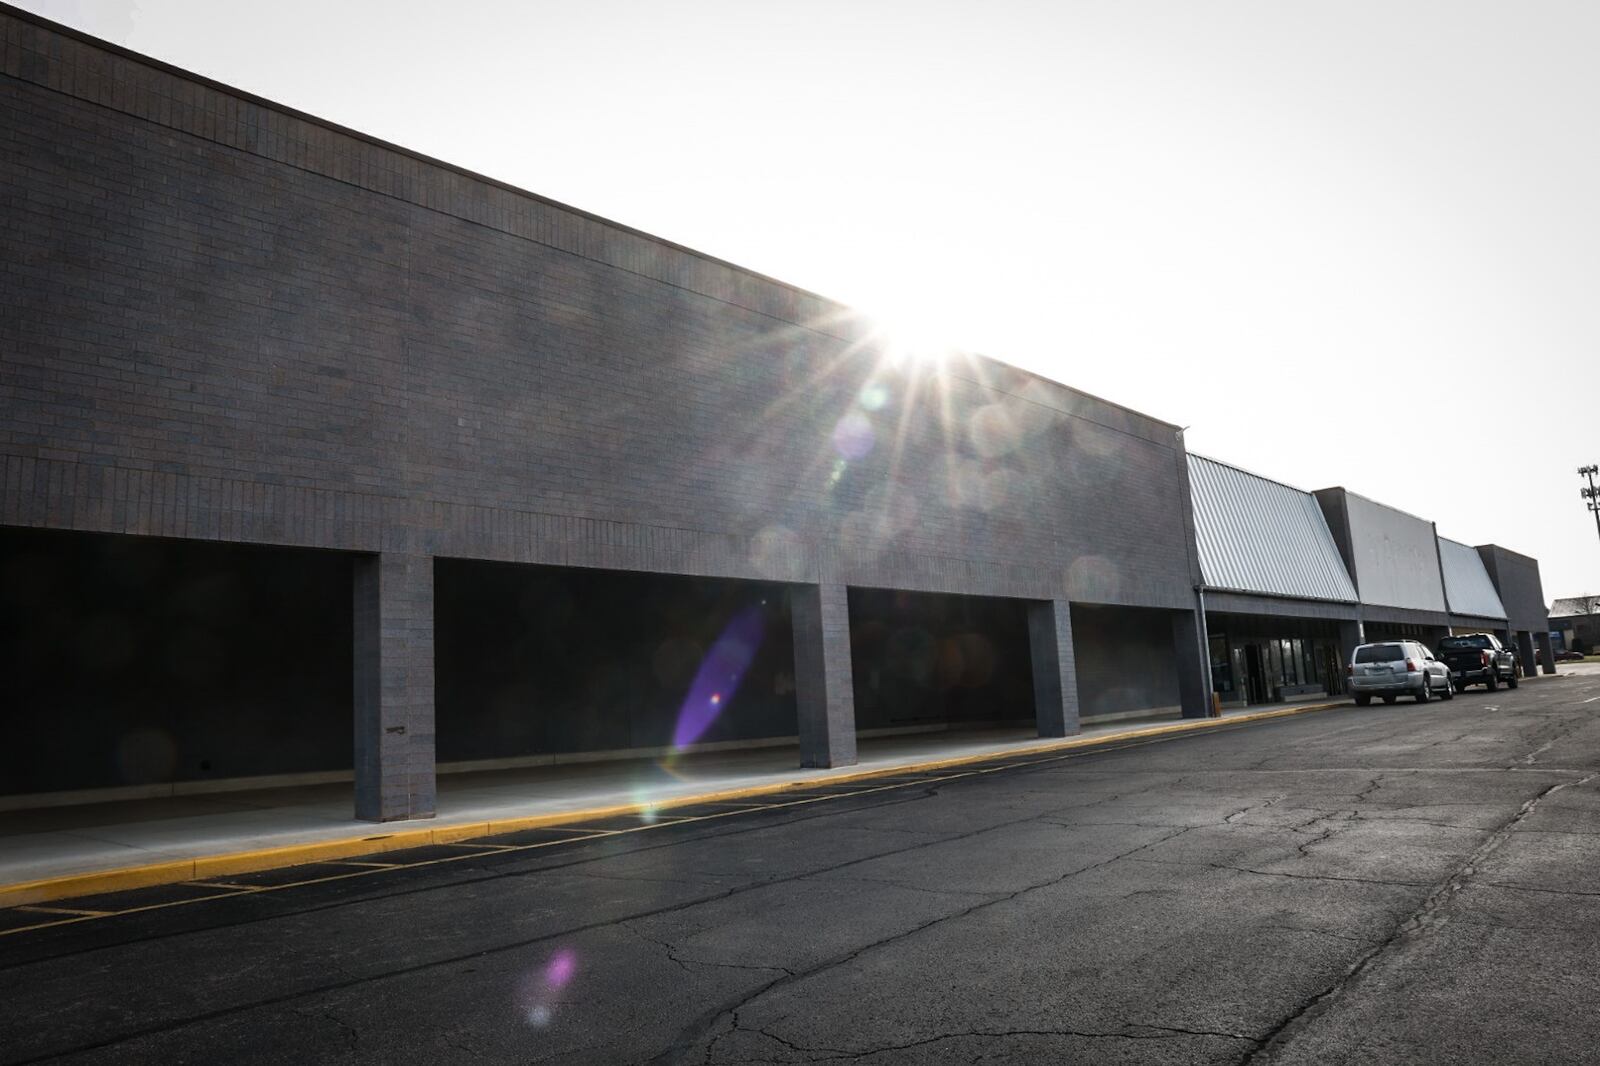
(1516,578)
(228,321)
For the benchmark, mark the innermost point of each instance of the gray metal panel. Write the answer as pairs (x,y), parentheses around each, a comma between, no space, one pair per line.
(1516,578)
(1243,603)
(1463,623)
(1370,614)
(1466,581)
(1257,535)
(1396,557)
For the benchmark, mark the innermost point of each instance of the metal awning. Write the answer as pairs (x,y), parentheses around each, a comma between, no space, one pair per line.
(1467,587)
(1261,536)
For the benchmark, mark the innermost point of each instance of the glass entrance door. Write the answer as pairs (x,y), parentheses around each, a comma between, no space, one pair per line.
(1256,672)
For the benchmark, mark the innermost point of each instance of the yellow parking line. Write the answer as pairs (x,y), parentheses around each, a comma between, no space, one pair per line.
(231,885)
(65,910)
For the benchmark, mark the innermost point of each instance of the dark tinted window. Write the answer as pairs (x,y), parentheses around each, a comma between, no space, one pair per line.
(1457,643)
(1380,653)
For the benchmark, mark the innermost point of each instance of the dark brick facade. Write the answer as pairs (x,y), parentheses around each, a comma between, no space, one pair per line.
(228,321)
(1516,579)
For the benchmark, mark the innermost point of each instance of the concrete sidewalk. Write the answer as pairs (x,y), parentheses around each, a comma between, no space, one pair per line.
(157,840)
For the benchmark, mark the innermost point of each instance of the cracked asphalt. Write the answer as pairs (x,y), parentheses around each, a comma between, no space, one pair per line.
(1363,885)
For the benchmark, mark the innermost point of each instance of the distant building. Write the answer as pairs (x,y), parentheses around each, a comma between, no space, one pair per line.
(1575,622)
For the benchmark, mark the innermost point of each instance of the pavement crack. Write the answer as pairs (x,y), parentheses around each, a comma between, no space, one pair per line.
(662,944)
(696,1031)
(474,1052)
(906,887)
(638,877)
(1270,801)
(686,964)
(352,1035)
(1567,727)
(1230,818)
(1334,827)
(1280,873)
(1512,886)
(1562,729)
(1129,1031)
(1113,825)
(1423,918)
(1324,932)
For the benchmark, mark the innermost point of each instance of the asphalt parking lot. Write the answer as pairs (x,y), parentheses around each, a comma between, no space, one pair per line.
(1363,885)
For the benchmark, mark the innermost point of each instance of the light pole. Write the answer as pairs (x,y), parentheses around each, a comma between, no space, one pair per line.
(1591,494)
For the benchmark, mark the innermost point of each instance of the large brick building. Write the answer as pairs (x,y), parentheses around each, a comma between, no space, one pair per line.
(321,460)
(231,324)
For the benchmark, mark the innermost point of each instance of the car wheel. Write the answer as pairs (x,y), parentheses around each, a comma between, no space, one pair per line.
(1388,699)
(1511,682)
(1425,693)
(1491,681)
(1363,701)
(1449,689)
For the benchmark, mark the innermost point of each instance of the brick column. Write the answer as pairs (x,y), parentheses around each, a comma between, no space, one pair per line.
(1351,636)
(1192,694)
(394,756)
(1524,645)
(1546,652)
(1055,669)
(824,695)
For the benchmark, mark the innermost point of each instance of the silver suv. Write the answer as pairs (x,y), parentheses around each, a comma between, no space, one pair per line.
(1397,668)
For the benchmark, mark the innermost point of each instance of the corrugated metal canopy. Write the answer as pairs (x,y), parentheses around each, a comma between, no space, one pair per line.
(1467,586)
(1257,535)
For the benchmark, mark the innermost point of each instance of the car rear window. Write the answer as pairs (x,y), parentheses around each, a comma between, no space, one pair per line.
(1380,653)
(1457,643)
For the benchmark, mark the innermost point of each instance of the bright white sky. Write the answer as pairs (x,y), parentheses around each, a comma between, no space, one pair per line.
(1352,242)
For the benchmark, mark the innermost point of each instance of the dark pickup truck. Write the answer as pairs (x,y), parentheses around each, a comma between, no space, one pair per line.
(1478,659)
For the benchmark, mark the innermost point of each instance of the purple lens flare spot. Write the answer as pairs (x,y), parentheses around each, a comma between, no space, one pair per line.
(853,437)
(719,676)
(561,968)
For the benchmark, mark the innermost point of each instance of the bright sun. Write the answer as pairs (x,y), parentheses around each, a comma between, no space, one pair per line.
(912,332)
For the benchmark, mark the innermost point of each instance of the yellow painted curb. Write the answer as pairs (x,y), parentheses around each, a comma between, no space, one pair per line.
(122,879)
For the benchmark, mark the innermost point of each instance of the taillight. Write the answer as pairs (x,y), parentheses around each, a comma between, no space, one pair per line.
(1350,669)
(1483,657)
(1411,666)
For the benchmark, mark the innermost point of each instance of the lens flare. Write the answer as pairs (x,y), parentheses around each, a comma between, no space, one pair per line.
(874,397)
(719,676)
(774,551)
(562,966)
(854,437)
(993,432)
(540,990)
(644,801)
(1093,577)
